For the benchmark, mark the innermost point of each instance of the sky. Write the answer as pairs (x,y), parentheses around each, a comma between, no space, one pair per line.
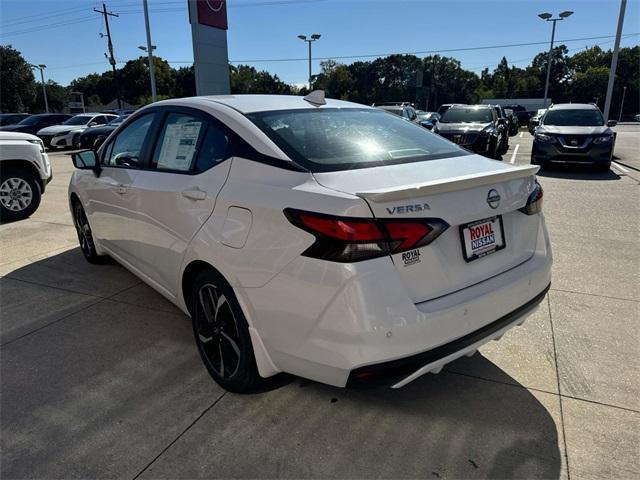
(65,34)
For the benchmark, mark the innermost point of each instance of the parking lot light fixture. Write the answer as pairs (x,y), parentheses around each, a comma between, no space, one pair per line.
(547,17)
(41,67)
(314,37)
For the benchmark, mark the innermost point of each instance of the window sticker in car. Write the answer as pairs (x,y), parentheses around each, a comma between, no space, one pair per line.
(179,145)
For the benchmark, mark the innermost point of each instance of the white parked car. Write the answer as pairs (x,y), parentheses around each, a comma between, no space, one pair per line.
(25,171)
(325,239)
(67,134)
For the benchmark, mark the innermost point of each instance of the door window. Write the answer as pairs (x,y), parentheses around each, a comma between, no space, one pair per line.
(126,149)
(176,148)
(213,149)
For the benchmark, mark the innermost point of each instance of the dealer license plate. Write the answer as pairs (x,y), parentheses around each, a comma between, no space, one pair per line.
(482,238)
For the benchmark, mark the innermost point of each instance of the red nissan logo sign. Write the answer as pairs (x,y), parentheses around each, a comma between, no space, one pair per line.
(212,13)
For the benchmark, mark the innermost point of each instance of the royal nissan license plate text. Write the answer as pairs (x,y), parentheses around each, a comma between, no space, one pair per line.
(482,238)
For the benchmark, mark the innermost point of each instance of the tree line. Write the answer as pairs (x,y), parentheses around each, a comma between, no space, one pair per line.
(429,81)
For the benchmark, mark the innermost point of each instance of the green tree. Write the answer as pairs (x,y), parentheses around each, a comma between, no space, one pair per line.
(57,97)
(185,82)
(17,83)
(246,79)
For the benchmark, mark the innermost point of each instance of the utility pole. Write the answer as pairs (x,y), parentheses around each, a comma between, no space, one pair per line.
(152,69)
(614,60)
(111,57)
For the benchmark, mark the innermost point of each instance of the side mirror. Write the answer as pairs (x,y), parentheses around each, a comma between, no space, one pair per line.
(612,123)
(93,124)
(86,160)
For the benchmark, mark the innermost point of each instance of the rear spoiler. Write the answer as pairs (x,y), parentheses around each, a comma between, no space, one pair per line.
(450,184)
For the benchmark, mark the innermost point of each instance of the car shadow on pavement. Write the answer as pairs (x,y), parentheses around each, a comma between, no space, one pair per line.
(577,172)
(101,374)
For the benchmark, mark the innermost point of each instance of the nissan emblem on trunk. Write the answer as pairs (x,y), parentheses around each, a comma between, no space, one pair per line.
(493,198)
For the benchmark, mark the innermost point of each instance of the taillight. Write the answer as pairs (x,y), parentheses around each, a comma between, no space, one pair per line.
(343,239)
(534,202)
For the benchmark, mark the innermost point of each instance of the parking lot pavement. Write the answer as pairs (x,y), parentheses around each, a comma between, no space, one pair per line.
(100,378)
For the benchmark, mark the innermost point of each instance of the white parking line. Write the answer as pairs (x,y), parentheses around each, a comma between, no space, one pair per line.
(620,167)
(513,155)
(521,134)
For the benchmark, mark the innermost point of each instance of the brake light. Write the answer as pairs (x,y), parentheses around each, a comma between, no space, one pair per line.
(534,202)
(341,239)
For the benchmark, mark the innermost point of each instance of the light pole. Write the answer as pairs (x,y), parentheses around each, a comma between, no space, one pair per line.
(152,71)
(41,67)
(313,38)
(624,92)
(547,17)
(149,50)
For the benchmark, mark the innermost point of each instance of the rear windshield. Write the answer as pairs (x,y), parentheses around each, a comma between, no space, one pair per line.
(574,118)
(467,115)
(330,139)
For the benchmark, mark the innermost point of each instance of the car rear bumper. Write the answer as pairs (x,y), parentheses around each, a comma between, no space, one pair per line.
(333,335)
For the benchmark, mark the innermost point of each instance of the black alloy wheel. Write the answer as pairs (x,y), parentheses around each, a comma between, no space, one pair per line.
(85,237)
(222,334)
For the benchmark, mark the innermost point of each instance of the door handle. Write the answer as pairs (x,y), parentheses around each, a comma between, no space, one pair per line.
(194,194)
(122,189)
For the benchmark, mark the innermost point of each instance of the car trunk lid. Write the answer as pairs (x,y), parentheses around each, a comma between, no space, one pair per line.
(469,195)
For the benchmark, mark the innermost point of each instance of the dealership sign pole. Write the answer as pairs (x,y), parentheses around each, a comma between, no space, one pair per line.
(210,55)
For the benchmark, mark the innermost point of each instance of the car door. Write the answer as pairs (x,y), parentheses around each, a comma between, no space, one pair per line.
(112,203)
(178,190)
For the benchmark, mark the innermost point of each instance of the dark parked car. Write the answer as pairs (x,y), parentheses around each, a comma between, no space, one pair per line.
(34,123)
(574,133)
(475,127)
(446,106)
(427,119)
(535,120)
(514,124)
(402,109)
(12,118)
(521,112)
(93,137)
(503,122)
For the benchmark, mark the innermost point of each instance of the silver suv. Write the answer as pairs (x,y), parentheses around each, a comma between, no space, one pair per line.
(574,133)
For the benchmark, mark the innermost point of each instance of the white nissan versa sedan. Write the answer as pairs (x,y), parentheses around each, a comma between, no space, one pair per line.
(325,239)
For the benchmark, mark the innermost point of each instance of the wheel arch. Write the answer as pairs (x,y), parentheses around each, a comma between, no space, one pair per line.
(24,165)
(265,365)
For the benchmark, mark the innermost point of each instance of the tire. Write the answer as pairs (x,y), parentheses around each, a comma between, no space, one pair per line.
(222,334)
(75,142)
(85,236)
(495,150)
(20,194)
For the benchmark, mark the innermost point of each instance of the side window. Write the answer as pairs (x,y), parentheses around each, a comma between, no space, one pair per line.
(213,148)
(176,146)
(101,120)
(126,149)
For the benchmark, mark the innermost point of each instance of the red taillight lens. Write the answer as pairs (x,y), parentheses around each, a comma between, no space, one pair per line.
(342,239)
(534,202)
(348,230)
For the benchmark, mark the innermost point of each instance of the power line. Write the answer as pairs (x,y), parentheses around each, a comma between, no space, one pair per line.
(64,23)
(421,52)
